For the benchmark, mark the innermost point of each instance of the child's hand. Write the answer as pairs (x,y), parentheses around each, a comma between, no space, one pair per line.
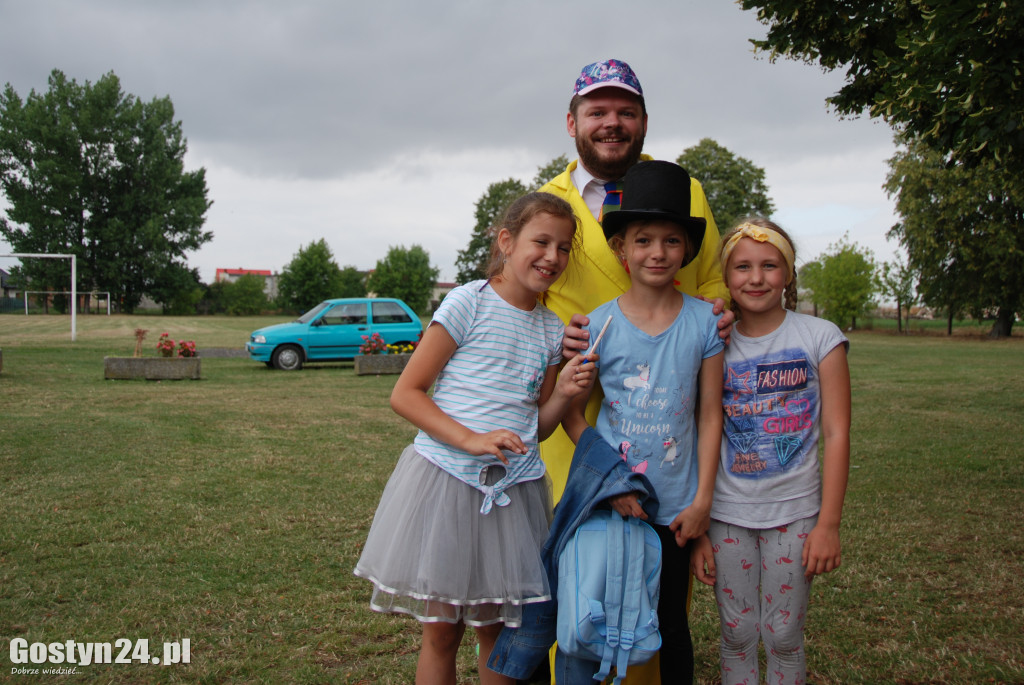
(577,376)
(702,560)
(821,552)
(493,443)
(691,523)
(576,338)
(628,504)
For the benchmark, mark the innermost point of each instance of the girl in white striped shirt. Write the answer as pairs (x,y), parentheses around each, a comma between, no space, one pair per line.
(456,538)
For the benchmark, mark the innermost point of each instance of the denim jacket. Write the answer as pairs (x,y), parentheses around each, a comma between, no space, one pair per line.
(597,473)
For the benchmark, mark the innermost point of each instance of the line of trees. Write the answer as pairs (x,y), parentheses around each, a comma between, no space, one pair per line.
(313,276)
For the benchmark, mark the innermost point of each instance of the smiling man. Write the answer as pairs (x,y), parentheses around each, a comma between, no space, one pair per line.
(608,119)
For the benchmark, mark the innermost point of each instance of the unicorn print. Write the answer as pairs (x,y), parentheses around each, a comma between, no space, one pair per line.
(624,453)
(641,380)
(671,452)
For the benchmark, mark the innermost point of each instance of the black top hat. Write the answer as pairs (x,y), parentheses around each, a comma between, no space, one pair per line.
(654,191)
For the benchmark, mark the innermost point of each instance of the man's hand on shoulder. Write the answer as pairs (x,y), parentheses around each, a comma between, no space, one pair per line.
(728,317)
(576,338)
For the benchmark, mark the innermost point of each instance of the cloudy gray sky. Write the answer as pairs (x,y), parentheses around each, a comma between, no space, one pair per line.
(373,124)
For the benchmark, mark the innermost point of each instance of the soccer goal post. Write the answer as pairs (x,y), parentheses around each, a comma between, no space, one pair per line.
(74,279)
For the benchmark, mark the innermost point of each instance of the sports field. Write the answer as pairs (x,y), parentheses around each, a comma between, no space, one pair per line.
(230,511)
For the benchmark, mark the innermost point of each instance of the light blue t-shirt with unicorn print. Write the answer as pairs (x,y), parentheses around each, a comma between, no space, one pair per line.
(650,395)
(492,381)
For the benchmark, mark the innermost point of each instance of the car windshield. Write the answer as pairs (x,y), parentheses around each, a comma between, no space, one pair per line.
(311,314)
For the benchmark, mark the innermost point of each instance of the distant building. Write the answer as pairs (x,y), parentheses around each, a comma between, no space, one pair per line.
(5,287)
(232,275)
(439,292)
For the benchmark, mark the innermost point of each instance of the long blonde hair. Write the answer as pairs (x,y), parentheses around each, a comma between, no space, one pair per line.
(789,294)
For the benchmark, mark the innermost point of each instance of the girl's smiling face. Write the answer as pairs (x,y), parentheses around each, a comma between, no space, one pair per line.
(538,255)
(756,276)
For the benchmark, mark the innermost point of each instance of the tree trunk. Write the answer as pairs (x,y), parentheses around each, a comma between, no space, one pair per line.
(1003,324)
(899,317)
(949,322)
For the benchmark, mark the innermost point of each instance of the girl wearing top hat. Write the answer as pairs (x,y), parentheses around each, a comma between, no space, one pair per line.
(660,367)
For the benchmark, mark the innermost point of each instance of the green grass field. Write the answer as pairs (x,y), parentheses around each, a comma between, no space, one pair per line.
(230,511)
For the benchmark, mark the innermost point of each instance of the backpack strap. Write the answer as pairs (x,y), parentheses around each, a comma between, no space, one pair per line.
(634,585)
(616,531)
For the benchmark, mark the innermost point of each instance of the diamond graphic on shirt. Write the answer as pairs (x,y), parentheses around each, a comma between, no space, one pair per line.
(786,446)
(743,442)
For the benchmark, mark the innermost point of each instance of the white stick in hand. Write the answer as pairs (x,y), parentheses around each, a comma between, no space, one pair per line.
(593,348)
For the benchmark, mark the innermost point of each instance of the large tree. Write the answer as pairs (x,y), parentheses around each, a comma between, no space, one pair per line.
(841,282)
(472,262)
(405,274)
(734,186)
(963,229)
(310,278)
(91,171)
(949,72)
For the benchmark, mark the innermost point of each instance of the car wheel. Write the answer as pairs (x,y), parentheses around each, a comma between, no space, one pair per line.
(287,358)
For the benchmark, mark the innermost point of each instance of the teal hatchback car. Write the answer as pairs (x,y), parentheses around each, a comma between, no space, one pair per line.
(333,331)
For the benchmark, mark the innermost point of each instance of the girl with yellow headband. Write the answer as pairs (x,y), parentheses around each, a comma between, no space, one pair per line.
(774,520)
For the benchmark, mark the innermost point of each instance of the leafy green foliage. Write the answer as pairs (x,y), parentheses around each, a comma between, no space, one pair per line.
(949,72)
(353,282)
(963,229)
(246,296)
(841,282)
(549,171)
(472,262)
(405,274)
(734,186)
(90,171)
(898,280)
(178,289)
(310,278)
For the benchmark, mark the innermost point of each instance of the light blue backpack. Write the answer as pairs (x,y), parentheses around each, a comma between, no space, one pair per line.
(608,584)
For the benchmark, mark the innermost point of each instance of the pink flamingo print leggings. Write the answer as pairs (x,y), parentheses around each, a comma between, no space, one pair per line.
(762,593)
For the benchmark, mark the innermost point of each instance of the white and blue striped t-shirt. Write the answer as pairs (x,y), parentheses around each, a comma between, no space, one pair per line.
(492,381)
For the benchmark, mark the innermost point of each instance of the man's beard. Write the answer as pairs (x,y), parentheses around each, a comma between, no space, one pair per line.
(608,170)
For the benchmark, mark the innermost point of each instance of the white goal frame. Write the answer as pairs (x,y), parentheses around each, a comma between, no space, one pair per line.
(74,275)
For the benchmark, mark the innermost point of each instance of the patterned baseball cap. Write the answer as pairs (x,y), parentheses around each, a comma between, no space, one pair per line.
(612,72)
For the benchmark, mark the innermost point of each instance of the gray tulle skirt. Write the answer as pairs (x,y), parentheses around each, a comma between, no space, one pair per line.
(430,552)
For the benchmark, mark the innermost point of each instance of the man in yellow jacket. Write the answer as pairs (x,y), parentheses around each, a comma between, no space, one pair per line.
(608,119)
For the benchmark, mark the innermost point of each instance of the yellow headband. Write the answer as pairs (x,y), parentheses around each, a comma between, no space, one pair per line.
(761,235)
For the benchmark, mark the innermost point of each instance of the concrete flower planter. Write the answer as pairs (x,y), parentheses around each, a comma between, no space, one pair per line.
(376,364)
(151,368)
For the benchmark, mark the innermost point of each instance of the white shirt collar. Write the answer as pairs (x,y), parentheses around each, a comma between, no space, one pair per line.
(590,188)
